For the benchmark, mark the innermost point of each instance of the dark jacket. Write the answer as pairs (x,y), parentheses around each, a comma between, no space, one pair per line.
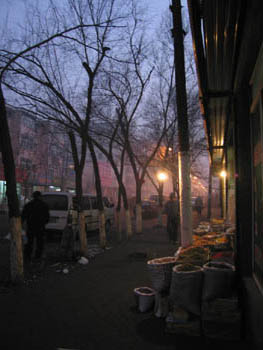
(172,209)
(36,214)
(199,202)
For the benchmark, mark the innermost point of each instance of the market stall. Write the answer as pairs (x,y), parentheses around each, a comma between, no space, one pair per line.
(196,291)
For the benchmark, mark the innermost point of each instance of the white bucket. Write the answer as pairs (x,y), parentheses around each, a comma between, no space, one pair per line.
(144,297)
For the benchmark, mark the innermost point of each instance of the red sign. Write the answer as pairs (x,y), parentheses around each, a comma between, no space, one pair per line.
(21,174)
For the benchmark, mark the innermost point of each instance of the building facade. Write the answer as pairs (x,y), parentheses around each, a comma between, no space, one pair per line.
(44,162)
(42,157)
(228,46)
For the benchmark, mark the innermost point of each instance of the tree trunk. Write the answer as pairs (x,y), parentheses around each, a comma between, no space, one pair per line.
(81,216)
(78,181)
(138,218)
(102,229)
(16,263)
(118,216)
(181,101)
(98,191)
(82,234)
(127,211)
(128,223)
(123,193)
(118,224)
(16,250)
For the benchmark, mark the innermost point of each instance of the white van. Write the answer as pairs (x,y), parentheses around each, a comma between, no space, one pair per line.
(61,205)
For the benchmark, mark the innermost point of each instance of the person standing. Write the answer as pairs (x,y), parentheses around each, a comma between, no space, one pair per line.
(199,205)
(173,218)
(36,215)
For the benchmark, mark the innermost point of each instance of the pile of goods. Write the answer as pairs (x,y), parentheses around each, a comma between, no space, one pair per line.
(161,275)
(202,229)
(203,297)
(161,272)
(196,290)
(193,255)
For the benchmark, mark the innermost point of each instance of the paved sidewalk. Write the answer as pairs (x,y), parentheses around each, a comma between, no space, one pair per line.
(92,306)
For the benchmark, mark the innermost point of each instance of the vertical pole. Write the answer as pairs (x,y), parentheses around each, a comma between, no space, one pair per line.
(160,191)
(184,149)
(224,198)
(209,199)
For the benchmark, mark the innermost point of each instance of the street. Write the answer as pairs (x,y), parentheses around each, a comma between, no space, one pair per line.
(53,244)
(92,307)
(147,223)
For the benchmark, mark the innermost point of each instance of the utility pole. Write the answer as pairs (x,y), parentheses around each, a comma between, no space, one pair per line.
(184,149)
(209,199)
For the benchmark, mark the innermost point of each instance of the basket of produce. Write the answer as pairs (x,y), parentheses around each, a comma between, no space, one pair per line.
(193,255)
(199,231)
(186,287)
(202,229)
(219,280)
(161,272)
(217,221)
(221,243)
(213,241)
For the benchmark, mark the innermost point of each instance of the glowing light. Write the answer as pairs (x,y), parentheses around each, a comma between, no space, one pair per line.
(162,176)
(223,173)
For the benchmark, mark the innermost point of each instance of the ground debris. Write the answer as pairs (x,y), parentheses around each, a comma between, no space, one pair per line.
(83,261)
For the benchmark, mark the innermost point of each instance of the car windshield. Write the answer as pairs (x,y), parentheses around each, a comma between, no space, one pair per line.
(56,202)
(85,203)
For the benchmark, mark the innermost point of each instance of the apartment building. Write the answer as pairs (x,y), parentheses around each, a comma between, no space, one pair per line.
(42,156)
(44,162)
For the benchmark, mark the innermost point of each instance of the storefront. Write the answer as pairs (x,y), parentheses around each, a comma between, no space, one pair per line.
(257,168)
(228,46)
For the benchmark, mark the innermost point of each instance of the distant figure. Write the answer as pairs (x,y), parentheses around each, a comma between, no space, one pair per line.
(173,218)
(199,205)
(36,215)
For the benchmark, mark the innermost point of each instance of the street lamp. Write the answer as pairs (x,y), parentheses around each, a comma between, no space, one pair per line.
(162,176)
(223,174)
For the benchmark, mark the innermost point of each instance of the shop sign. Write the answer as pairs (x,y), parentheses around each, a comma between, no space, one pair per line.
(21,174)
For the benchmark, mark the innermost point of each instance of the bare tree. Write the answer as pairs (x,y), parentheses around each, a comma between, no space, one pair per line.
(164,86)
(123,85)
(127,85)
(116,159)
(8,60)
(53,91)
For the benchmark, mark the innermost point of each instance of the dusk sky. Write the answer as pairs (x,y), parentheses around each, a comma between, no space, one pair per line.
(14,9)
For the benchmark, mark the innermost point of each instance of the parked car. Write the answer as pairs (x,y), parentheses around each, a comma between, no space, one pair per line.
(154,198)
(150,209)
(62,209)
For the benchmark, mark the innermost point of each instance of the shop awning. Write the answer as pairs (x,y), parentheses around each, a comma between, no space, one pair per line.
(216,28)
